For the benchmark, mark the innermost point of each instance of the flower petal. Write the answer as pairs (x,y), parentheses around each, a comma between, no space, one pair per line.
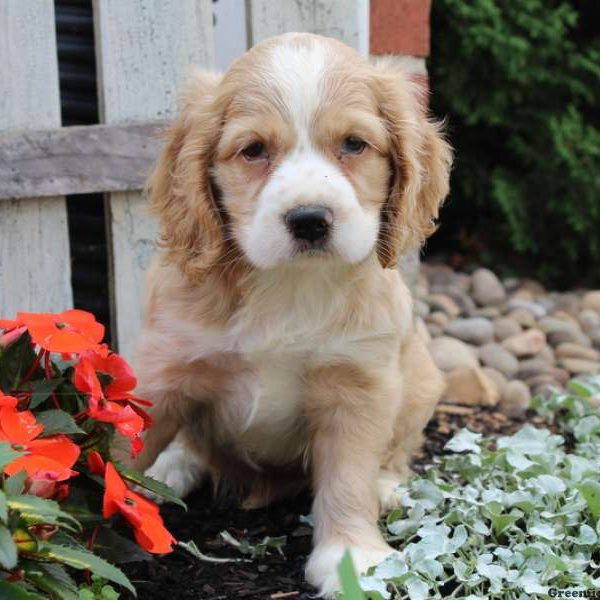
(58,448)
(18,427)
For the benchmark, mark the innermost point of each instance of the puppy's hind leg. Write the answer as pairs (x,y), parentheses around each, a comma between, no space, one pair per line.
(179,466)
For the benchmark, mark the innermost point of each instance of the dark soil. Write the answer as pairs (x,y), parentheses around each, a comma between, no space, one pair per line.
(178,576)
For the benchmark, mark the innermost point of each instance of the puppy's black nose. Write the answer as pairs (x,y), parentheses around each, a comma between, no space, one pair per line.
(309,223)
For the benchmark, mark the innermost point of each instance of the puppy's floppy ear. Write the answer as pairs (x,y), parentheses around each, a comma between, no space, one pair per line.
(180,191)
(421,164)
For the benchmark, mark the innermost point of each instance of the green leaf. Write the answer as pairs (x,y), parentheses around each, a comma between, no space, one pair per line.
(8,549)
(41,390)
(12,591)
(465,441)
(3,507)
(40,510)
(159,488)
(590,490)
(51,578)
(83,559)
(579,388)
(7,454)
(348,579)
(57,421)
(501,523)
(117,548)
(14,485)
(193,549)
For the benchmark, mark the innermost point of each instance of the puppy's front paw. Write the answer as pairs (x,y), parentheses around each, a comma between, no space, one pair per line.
(322,566)
(388,493)
(179,468)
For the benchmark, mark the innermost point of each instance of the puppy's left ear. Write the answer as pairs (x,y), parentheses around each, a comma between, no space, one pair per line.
(421,161)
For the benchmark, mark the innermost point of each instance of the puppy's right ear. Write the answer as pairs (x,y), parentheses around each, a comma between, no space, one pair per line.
(180,191)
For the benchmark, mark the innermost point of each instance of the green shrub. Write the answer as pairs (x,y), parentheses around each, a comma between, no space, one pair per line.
(519,83)
(502,518)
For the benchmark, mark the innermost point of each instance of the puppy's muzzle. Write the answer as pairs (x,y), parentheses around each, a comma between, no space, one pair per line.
(309,223)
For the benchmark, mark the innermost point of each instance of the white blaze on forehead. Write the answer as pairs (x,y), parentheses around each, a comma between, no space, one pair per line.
(297,72)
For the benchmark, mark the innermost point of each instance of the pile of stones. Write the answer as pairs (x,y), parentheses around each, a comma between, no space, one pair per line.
(500,342)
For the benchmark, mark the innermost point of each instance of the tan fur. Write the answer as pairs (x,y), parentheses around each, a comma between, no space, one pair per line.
(309,372)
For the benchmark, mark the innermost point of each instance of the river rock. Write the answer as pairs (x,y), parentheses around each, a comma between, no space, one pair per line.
(496,377)
(547,354)
(532,367)
(475,330)
(487,312)
(523,317)
(528,343)
(591,301)
(505,327)
(497,357)
(588,319)
(471,386)
(515,399)
(533,307)
(570,350)
(574,336)
(594,335)
(486,288)
(449,353)
(444,303)
(437,317)
(580,366)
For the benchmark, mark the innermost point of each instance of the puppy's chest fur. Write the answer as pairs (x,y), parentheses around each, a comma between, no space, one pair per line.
(264,353)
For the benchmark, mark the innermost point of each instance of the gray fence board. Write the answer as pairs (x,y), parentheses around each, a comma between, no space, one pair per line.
(35,268)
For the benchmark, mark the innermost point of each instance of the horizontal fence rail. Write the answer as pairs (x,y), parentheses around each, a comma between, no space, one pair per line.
(78,160)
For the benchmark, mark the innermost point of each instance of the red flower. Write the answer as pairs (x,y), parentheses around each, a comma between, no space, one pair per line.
(55,454)
(46,485)
(68,331)
(9,324)
(108,379)
(126,421)
(116,374)
(95,463)
(142,514)
(11,336)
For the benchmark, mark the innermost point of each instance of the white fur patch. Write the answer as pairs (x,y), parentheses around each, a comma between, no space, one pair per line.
(179,467)
(307,178)
(297,72)
(322,566)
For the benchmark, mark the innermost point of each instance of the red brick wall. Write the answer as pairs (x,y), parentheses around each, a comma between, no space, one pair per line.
(400,27)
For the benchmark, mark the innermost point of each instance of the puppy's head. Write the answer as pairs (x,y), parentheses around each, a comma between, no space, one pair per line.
(302,151)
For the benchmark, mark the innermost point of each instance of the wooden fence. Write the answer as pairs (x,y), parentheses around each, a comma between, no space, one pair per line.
(143,49)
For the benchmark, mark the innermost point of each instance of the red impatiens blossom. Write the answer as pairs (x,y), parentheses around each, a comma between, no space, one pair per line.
(9,324)
(108,380)
(13,330)
(95,463)
(48,458)
(46,485)
(143,515)
(68,331)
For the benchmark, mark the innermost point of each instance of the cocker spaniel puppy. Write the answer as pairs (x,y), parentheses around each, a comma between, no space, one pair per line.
(279,347)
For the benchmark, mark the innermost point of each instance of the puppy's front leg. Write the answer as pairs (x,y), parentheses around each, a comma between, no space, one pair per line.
(350,423)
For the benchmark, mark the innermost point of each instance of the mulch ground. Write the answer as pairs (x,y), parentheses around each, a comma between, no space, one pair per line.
(179,576)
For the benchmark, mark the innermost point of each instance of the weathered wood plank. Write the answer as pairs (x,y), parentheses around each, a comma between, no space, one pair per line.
(35,268)
(77,160)
(143,50)
(346,20)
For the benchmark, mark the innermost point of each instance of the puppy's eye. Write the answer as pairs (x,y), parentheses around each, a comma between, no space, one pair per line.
(254,151)
(353,145)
